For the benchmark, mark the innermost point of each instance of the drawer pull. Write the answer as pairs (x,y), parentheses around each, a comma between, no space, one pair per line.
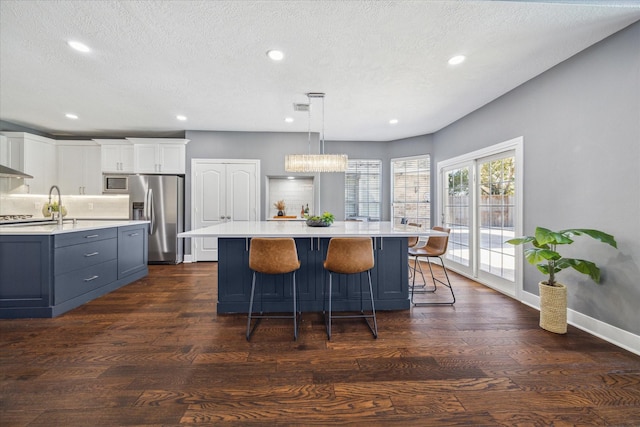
(91,254)
(91,278)
(91,236)
(133,234)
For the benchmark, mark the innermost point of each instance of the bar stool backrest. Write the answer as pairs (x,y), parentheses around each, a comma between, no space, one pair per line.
(437,245)
(413,240)
(277,255)
(349,255)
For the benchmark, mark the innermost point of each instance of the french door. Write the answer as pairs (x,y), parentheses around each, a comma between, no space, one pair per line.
(481,202)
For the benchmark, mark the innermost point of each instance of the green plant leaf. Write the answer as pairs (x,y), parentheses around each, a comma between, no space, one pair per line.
(536,255)
(583,266)
(595,234)
(520,240)
(545,236)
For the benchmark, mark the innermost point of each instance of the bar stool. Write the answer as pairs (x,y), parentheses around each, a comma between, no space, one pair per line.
(350,255)
(436,247)
(273,256)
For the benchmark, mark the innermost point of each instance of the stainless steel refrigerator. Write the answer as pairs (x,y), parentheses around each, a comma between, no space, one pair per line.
(160,200)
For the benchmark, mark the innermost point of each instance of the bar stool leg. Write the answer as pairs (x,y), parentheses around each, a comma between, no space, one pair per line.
(373,308)
(295,309)
(253,288)
(328,324)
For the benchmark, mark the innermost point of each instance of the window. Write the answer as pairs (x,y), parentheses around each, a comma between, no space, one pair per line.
(362,189)
(411,186)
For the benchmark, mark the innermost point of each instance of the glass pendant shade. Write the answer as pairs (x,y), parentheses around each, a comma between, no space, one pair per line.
(315,162)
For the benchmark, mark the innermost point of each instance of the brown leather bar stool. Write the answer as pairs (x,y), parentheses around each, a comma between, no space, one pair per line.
(436,247)
(351,255)
(273,256)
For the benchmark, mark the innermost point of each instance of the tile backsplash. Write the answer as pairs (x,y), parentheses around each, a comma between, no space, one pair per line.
(295,193)
(81,207)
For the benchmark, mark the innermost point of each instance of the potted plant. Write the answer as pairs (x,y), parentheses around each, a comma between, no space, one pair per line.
(280,206)
(325,220)
(544,255)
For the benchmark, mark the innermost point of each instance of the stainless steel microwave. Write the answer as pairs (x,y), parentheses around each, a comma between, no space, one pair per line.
(115,184)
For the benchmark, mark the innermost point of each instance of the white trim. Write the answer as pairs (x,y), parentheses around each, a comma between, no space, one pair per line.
(598,328)
(515,144)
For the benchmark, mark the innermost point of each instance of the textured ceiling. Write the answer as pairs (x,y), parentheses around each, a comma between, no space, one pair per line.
(375,60)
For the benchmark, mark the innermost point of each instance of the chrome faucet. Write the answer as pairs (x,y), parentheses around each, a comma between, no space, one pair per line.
(59,203)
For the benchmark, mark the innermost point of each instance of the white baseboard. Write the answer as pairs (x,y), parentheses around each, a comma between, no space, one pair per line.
(187,259)
(600,329)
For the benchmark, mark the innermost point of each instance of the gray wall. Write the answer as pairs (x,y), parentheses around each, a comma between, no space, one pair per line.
(581,127)
(270,149)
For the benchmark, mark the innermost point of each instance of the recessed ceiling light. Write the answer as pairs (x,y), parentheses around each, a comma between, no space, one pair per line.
(81,47)
(275,55)
(291,177)
(71,116)
(393,121)
(458,59)
(181,118)
(288,119)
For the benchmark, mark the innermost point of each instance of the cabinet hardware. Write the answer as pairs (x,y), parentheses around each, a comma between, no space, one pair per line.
(91,278)
(91,236)
(91,254)
(133,234)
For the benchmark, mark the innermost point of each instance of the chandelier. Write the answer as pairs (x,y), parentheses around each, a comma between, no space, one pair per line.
(315,162)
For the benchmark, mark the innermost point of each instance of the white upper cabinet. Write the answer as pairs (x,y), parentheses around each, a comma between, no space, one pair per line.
(34,155)
(117,155)
(159,155)
(79,167)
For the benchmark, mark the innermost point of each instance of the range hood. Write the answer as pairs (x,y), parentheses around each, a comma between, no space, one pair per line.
(7,172)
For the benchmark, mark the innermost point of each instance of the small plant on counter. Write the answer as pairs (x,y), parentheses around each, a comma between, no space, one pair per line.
(280,206)
(326,218)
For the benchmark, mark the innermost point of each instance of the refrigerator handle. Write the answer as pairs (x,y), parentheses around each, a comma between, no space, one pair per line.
(151,215)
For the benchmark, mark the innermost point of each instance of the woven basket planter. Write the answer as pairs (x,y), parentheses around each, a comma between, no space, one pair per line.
(553,307)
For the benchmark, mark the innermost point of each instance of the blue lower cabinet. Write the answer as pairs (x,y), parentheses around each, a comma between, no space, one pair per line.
(45,276)
(389,277)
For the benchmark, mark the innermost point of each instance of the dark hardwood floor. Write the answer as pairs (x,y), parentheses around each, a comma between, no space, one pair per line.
(156,353)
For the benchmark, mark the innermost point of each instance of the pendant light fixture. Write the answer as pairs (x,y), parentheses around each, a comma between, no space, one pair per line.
(315,162)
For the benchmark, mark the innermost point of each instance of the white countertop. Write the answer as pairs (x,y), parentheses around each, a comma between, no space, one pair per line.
(68,226)
(301,229)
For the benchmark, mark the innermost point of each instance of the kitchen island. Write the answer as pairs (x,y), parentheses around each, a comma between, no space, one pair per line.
(47,269)
(389,276)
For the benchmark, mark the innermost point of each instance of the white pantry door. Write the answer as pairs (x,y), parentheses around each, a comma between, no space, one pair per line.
(222,190)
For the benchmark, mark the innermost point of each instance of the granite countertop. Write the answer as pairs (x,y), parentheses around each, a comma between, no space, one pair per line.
(48,228)
(243,229)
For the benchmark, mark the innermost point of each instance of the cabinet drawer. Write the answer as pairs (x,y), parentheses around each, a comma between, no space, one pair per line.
(78,282)
(74,257)
(85,236)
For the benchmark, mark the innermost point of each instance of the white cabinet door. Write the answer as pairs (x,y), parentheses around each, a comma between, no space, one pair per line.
(117,158)
(79,169)
(171,158)
(159,158)
(92,172)
(146,158)
(40,159)
(71,169)
(222,191)
(126,159)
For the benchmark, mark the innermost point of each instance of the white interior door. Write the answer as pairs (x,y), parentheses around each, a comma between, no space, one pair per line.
(222,190)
